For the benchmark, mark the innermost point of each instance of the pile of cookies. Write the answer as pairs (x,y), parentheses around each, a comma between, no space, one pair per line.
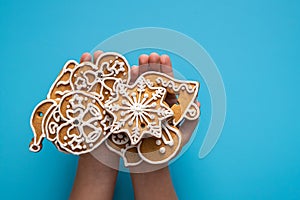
(93,104)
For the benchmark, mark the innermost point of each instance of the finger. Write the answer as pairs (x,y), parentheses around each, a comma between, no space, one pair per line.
(143,63)
(134,73)
(154,62)
(166,65)
(97,54)
(85,57)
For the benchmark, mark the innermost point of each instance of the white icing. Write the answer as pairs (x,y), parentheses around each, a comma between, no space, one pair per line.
(171,84)
(120,138)
(108,120)
(158,142)
(80,83)
(162,150)
(193,112)
(167,140)
(62,93)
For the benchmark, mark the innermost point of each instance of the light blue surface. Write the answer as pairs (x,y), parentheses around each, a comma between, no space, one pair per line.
(254,43)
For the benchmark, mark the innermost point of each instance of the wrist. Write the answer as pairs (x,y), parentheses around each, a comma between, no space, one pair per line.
(153,185)
(93,179)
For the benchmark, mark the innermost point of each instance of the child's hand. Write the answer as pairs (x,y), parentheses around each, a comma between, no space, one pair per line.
(97,171)
(154,62)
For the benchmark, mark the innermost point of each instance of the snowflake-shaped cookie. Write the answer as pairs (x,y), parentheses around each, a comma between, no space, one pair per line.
(139,110)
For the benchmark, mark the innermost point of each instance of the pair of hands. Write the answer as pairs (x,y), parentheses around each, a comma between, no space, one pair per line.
(97,171)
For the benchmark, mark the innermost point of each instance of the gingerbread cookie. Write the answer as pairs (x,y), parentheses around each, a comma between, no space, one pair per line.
(74,120)
(160,150)
(139,110)
(42,111)
(186,92)
(82,123)
(100,78)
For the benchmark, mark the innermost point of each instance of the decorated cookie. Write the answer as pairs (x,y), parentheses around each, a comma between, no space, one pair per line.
(74,121)
(43,110)
(83,123)
(99,79)
(186,92)
(76,125)
(139,110)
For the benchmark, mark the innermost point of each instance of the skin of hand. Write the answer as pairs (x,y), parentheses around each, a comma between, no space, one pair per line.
(157,183)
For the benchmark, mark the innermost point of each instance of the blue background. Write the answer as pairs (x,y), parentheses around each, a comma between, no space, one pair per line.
(255,45)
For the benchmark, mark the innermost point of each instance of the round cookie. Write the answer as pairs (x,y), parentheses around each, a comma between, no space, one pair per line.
(84,124)
(161,150)
(120,144)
